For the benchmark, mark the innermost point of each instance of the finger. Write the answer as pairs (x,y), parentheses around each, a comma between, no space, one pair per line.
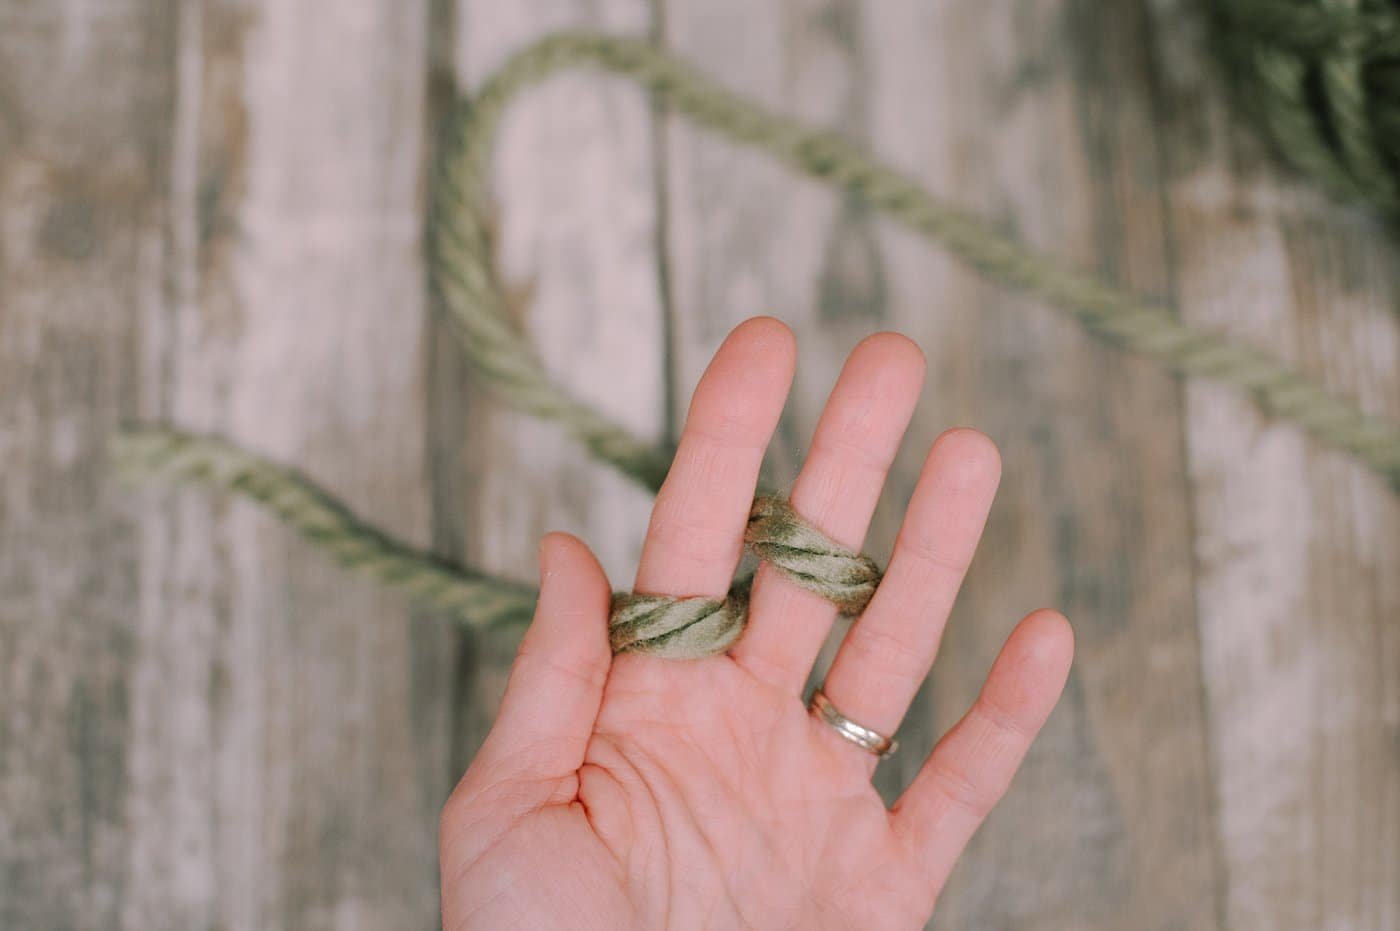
(693,543)
(854,443)
(888,651)
(556,683)
(971,767)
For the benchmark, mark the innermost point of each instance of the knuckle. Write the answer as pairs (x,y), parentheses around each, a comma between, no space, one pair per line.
(960,790)
(531,661)
(728,428)
(887,651)
(854,449)
(1002,722)
(929,552)
(696,543)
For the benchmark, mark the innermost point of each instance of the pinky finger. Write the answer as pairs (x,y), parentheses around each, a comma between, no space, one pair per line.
(971,767)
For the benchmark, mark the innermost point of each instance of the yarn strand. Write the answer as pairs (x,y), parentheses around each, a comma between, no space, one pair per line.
(473,597)
(464,276)
(465,286)
(662,625)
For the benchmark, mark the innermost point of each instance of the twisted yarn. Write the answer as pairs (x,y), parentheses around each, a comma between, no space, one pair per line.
(805,555)
(1324,78)
(677,628)
(464,278)
(156,452)
(464,283)
(685,627)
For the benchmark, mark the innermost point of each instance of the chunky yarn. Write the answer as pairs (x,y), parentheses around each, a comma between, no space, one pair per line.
(686,627)
(464,276)
(809,557)
(477,598)
(1323,77)
(678,628)
(1331,66)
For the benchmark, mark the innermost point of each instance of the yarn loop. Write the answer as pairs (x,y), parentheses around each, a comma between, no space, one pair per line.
(1323,76)
(686,628)
(465,283)
(662,625)
(1331,78)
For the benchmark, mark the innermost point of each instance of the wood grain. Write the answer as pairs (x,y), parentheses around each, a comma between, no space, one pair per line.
(294,324)
(83,157)
(1044,125)
(577,201)
(219,225)
(211,213)
(1009,111)
(1298,547)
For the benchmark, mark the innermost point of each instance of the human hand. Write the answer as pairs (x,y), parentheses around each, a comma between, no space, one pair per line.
(640,792)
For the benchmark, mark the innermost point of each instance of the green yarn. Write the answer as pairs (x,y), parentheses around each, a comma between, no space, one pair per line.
(677,628)
(687,627)
(1324,78)
(155,452)
(810,558)
(1354,153)
(662,625)
(464,281)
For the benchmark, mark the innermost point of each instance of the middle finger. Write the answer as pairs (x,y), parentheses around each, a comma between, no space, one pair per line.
(855,441)
(889,650)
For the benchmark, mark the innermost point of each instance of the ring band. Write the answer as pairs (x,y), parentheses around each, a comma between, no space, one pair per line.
(863,737)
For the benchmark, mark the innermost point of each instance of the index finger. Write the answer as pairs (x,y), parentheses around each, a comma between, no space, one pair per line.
(695,538)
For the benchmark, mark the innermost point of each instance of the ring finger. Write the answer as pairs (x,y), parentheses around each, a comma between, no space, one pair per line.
(697,524)
(888,652)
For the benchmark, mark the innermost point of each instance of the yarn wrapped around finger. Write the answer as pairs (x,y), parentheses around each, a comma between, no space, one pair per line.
(696,627)
(1326,75)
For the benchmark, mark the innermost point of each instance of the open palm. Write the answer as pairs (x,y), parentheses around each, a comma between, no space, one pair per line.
(640,792)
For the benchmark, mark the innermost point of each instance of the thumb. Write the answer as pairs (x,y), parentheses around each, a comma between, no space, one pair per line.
(556,683)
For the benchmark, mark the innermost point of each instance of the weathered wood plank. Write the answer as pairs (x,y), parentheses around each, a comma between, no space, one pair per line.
(210,212)
(1299,547)
(279,775)
(576,192)
(216,222)
(1035,116)
(84,121)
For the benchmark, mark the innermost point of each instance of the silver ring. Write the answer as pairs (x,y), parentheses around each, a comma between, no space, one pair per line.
(863,737)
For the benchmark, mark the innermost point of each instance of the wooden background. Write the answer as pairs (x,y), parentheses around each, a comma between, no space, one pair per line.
(211,213)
